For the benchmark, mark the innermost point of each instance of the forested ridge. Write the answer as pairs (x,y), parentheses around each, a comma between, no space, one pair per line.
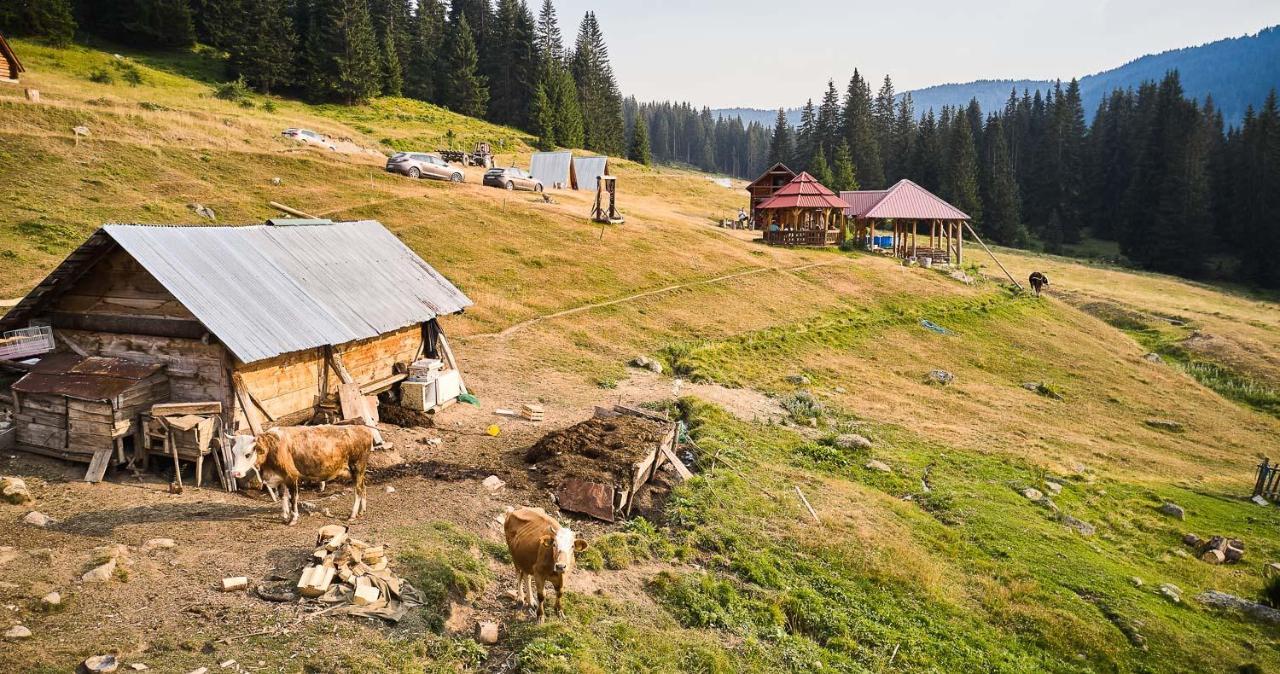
(1155,170)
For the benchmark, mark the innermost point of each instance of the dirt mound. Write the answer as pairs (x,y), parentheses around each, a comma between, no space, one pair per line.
(432,470)
(597,450)
(404,417)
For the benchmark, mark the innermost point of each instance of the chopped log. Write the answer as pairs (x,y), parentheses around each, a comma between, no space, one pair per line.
(291,211)
(234,584)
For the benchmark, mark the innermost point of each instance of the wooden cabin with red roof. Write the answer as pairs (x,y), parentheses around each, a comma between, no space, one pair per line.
(769,182)
(803,213)
(908,210)
(10,67)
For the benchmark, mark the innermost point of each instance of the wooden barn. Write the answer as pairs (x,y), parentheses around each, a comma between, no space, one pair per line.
(763,188)
(10,67)
(269,324)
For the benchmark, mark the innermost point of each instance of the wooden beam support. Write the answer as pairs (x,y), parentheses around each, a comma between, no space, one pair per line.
(128,325)
(246,404)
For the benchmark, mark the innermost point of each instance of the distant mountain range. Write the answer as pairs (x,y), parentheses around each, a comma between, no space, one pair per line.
(1237,72)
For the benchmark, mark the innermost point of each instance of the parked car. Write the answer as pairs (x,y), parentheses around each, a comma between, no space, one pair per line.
(309,137)
(511,178)
(422,165)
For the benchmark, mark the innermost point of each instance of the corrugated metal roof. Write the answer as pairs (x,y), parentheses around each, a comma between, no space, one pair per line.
(587,169)
(91,378)
(804,191)
(266,290)
(553,169)
(909,201)
(861,201)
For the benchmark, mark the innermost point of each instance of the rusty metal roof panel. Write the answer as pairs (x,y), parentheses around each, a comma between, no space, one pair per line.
(861,201)
(92,378)
(266,290)
(909,201)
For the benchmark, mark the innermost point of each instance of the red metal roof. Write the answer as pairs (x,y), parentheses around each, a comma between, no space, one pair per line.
(861,201)
(909,201)
(803,192)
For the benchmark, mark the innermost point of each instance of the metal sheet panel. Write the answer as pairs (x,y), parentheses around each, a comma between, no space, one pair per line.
(265,290)
(552,168)
(588,169)
(861,201)
(909,201)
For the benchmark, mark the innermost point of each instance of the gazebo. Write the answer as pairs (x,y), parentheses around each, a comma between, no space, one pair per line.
(904,207)
(803,213)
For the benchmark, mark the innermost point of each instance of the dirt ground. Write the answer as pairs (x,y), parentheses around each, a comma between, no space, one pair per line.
(166,607)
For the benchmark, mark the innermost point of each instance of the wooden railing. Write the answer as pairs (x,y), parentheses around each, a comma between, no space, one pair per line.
(802,237)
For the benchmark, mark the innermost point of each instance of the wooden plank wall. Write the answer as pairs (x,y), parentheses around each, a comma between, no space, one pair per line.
(288,386)
(197,371)
(118,285)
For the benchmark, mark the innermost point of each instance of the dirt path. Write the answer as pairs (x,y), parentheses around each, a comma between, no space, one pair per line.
(509,330)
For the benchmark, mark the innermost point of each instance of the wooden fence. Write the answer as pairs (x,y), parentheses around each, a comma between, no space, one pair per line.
(802,237)
(1268,483)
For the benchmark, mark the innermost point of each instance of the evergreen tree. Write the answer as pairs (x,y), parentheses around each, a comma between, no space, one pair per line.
(543,118)
(48,19)
(859,131)
(140,23)
(828,120)
(428,37)
(547,35)
(961,186)
(598,95)
(392,71)
(466,91)
(780,147)
(1001,202)
(563,94)
(1258,209)
(903,142)
(806,138)
(511,86)
(264,52)
(844,176)
(925,160)
(344,58)
(818,167)
(640,151)
(884,121)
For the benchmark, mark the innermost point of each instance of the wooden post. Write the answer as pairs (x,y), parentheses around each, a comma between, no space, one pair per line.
(1263,471)
(993,257)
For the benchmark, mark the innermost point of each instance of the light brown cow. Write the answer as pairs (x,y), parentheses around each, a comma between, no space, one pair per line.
(285,456)
(541,551)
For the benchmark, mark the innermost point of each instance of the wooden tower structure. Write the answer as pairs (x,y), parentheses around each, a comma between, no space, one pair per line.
(602,212)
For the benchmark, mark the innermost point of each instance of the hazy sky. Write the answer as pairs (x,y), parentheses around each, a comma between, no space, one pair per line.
(771,53)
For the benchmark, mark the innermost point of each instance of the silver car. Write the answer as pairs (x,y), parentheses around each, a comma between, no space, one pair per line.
(422,165)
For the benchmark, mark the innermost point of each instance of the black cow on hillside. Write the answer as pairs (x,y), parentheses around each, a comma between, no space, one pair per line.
(1038,281)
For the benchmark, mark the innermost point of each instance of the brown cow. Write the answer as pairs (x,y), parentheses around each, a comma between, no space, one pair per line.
(541,550)
(286,456)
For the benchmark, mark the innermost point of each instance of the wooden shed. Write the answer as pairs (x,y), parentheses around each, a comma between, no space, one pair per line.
(763,188)
(279,323)
(10,67)
(72,407)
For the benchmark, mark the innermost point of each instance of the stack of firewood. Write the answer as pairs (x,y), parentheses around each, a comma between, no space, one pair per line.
(351,576)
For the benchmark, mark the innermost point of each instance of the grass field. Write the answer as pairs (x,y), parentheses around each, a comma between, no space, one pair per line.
(940,564)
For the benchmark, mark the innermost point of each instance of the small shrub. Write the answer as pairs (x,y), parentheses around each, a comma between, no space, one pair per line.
(153,107)
(1049,391)
(679,361)
(269,105)
(802,406)
(129,73)
(235,90)
(245,103)
(101,76)
(605,383)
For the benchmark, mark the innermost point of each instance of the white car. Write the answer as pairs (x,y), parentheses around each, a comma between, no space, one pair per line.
(309,137)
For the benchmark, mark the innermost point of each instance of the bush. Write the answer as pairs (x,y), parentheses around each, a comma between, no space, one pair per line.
(235,90)
(128,72)
(269,105)
(101,76)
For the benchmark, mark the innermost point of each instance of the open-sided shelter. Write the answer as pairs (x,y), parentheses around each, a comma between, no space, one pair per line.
(10,67)
(763,187)
(271,321)
(904,208)
(587,170)
(803,213)
(554,170)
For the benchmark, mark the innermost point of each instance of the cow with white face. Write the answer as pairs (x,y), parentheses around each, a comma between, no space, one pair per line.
(541,551)
(288,455)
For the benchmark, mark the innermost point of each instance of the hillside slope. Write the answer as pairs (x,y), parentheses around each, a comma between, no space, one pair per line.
(939,563)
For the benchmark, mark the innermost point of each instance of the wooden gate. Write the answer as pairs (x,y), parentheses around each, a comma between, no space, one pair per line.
(1268,484)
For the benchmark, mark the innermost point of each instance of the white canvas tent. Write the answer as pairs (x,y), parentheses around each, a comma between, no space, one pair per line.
(554,170)
(587,169)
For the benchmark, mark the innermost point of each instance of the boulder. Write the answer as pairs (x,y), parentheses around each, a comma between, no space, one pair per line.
(1137,582)
(7,554)
(1171,592)
(654,367)
(1053,487)
(487,632)
(798,379)
(641,362)
(37,519)
(14,490)
(389,489)
(98,664)
(1164,425)
(153,544)
(1271,570)
(1222,600)
(1173,510)
(17,632)
(493,483)
(1191,540)
(139,667)
(878,465)
(1153,358)
(941,377)
(50,600)
(1080,526)
(1032,494)
(101,573)
(852,441)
